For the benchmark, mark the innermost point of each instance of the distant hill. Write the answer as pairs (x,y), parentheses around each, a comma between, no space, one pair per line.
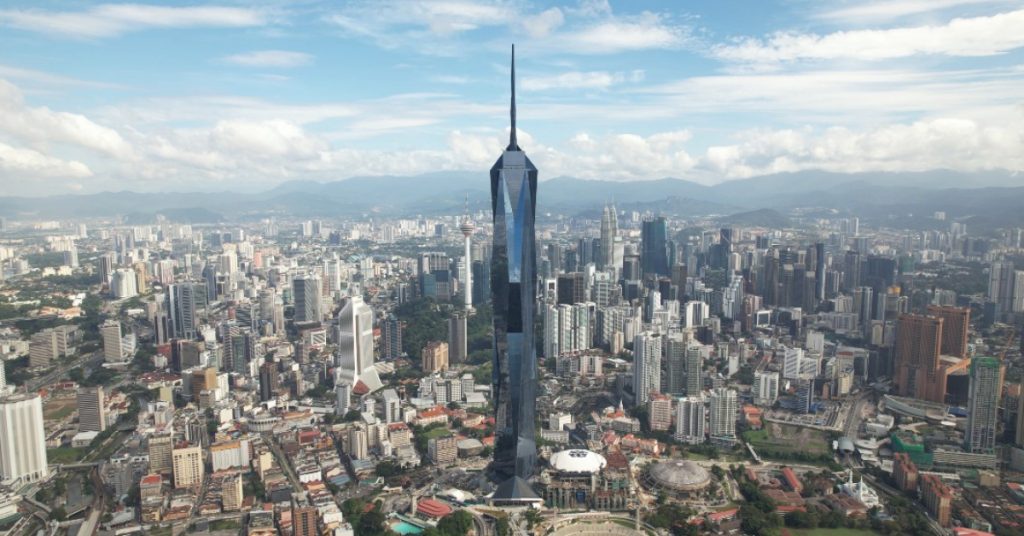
(764,217)
(984,199)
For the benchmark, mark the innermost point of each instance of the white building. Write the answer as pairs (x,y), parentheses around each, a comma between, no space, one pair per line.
(646,366)
(355,346)
(723,414)
(22,439)
(766,388)
(690,420)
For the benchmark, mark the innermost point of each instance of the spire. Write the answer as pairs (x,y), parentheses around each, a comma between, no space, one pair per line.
(512,144)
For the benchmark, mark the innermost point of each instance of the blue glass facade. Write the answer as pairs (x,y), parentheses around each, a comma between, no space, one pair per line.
(513,294)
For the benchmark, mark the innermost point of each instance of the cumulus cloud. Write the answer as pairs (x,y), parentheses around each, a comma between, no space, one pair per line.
(22,164)
(977,36)
(109,20)
(580,80)
(270,58)
(41,125)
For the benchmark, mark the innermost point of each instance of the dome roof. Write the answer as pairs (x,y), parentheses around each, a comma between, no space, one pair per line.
(682,475)
(577,461)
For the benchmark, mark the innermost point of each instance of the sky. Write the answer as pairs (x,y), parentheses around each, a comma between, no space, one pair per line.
(247,95)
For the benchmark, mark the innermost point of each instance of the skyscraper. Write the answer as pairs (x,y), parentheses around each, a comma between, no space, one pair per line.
(918,368)
(184,300)
(690,420)
(646,366)
(513,294)
(955,321)
(92,412)
(355,347)
(1000,287)
(308,304)
(654,248)
(983,405)
(22,439)
(111,331)
(609,229)
(457,334)
(723,415)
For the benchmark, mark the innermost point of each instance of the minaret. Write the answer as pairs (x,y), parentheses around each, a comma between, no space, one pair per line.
(467,232)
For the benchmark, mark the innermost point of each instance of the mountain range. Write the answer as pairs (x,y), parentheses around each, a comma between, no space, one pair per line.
(988,199)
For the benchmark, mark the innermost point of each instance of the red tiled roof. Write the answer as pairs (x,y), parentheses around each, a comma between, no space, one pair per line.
(433,508)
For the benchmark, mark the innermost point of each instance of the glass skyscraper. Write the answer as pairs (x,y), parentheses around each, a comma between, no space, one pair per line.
(654,248)
(513,295)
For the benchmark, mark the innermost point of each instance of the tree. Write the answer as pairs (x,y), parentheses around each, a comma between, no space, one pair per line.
(532,518)
(501,526)
(456,523)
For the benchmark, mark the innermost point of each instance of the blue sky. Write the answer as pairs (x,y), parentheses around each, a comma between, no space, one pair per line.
(191,96)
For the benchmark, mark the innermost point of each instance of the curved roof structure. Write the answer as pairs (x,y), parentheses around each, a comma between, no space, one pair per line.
(577,461)
(679,475)
(433,508)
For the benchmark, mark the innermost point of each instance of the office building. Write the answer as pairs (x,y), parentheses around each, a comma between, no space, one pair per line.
(355,347)
(187,463)
(609,231)
(513,294)
(654,257)
(1000,288)
(306,291)
(184,303)
(22,439)
(357,444)
(434,357)
(442,451)
(766,387)
(111,333)
(92,411)
(983,405)
(43,348)
(269,381)
(392,406)
(694,370)
(457,343)
(160,448)
(390,338)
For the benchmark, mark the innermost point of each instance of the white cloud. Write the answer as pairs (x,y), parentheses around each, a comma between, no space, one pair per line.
(579,80)
(270,58)
(19,164)
(611,35)
(978,36)
(42,126)
(108,20)
(49,79)
(543,23)
(893,9)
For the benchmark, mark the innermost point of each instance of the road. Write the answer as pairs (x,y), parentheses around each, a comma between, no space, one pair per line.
(855,416)
(890,492)
(52,376)
(282,460)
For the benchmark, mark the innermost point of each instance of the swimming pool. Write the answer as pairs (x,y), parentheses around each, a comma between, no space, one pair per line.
(403,527)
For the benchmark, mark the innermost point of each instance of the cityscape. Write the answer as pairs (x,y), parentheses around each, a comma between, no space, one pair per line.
(334,336)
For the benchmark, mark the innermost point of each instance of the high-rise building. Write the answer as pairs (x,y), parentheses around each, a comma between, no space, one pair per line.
(937,497)
(723,415)
(918,370)
(690,420)
(646,366)
(160,448)
(1000,287)
(304,520)
(355,347)
(390,338)
(184,302)
(43,348)
(659,412)
(609,230)
(307,292)
(269,382)
(92,411)
(766,387)
(442,450)
(675,363)
(513,294)
(457,343)
(435,357)
(955,322)
(357,444)
(392,406)
(467,284)
(188,466)
(904,471)
(694,371)
(111,331)
(983,405)
(22,439)
(654,248)
(232,493)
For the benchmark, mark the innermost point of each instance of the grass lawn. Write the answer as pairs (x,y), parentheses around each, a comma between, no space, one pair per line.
(59,409)
(438,432)
(785,438)
(65,454)
(829,532)
(225,524)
